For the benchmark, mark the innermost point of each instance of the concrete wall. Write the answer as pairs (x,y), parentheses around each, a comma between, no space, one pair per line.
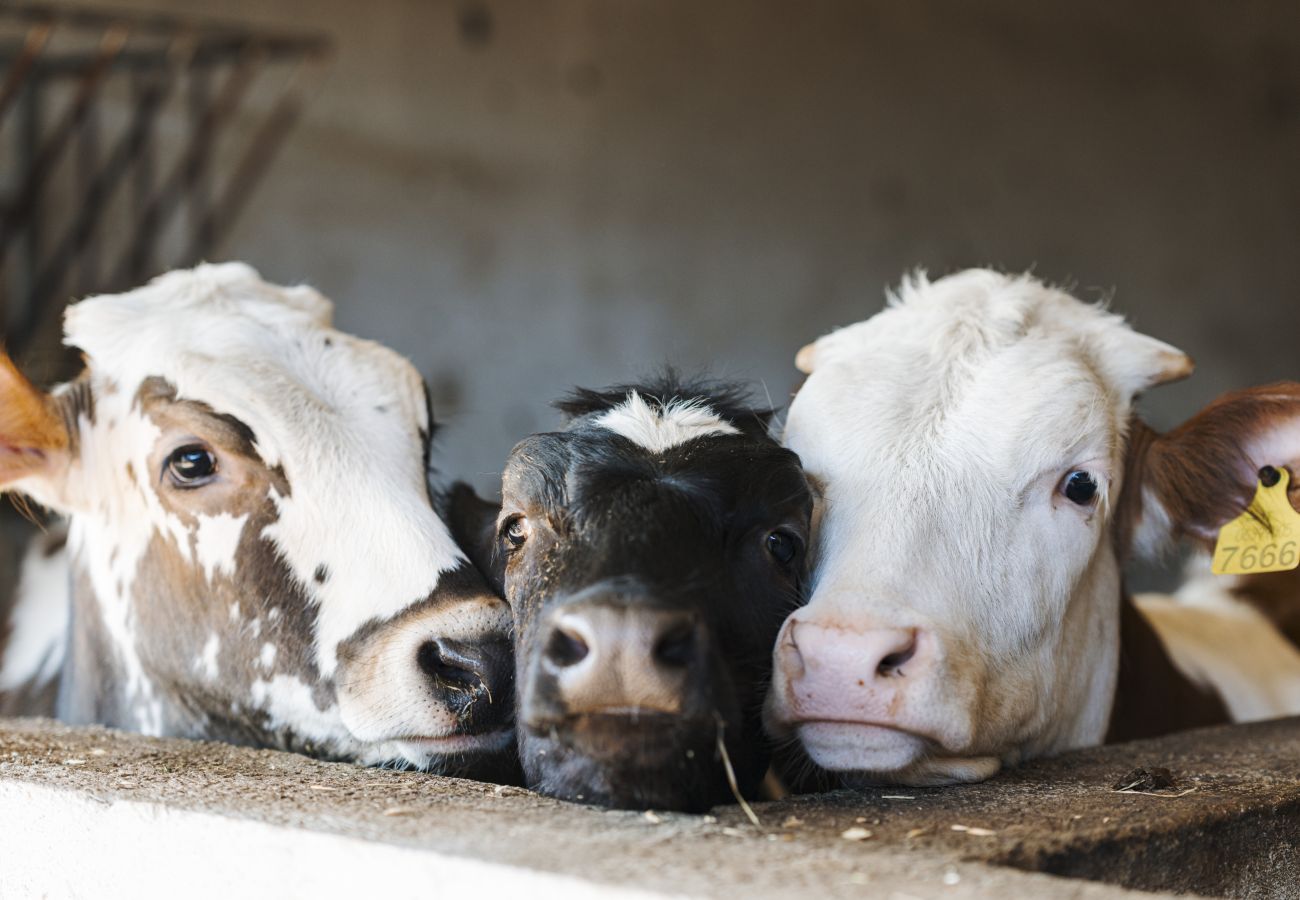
(526,195)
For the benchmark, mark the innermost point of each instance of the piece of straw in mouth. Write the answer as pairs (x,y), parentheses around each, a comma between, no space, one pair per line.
(731,777)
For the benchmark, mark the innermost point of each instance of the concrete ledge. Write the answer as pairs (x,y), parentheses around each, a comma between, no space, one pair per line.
(96,813)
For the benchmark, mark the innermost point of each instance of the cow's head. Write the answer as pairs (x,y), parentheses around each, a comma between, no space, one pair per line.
(649,552)
(969,442)
(255,555)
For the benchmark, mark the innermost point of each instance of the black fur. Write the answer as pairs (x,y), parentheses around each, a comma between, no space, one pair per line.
(680,532)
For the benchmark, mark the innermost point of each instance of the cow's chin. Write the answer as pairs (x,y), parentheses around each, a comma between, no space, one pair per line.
(859,747)
(653,762)
(488,756)
(863,754)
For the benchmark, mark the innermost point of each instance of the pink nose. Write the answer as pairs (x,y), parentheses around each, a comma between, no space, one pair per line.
(840,674)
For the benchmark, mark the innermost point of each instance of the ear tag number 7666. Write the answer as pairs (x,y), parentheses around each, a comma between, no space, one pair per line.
(1266,537)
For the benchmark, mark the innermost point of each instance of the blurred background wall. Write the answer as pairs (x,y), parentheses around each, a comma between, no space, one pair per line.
(525,195)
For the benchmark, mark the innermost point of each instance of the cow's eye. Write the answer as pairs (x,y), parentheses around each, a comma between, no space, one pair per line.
(1080,487)
(515,531)
(191,466)
(782,545)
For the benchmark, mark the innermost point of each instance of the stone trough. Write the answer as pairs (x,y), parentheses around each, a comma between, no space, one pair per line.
(87,812)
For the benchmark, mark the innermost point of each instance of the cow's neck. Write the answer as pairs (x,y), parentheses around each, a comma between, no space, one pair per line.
(105,682)
(100,686)
(1152,697)
(92,686)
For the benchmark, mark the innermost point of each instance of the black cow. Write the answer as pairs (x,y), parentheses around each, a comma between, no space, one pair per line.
(649,552)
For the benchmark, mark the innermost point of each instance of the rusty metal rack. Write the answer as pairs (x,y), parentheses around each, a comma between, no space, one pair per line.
(111,125)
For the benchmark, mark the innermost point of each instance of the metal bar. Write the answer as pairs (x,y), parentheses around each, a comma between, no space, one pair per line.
(54,145)
(199,198)
(31,124)
(34,42)
(129,150)
(161,24)
(87,159)
(218,51)
(94,202)
(142,177)
(256,159)
(187,170)
(30,64)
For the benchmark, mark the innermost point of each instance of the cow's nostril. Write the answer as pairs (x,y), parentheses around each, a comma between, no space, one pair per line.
(445,667)
(565,648)
(676,646)
(893,663)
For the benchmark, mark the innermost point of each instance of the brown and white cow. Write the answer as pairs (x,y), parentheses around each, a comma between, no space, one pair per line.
(253,551)
(982,478)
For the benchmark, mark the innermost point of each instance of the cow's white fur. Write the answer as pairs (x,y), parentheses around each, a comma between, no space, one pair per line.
(206,665)
(221,335)
(216,540)
(339,414)
(1226,645)
(39,621)
(659,429)
(940,431)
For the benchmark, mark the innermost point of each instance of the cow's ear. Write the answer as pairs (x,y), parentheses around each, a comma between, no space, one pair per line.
(33,433)
(806,359)
(1192,481)
(473,524)
(1137,362)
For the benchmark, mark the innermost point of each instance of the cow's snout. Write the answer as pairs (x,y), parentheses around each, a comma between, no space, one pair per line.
(472,679)
(608,658)
(839,659)
(435,685)
(835,673)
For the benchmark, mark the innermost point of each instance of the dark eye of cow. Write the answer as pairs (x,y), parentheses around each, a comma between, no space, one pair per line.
(191,465)
(515,531)
(1080,487)
(783,546)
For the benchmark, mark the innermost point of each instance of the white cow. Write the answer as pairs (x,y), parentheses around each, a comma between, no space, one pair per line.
(983,476)
(253,551)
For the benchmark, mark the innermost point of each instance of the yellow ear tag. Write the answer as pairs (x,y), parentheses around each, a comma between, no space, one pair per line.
(1266,537)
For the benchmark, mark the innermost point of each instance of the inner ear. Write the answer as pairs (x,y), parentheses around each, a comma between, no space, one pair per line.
(34,432)
(806,359)
(1195,479)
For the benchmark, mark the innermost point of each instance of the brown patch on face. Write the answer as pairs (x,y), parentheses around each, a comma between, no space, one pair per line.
(243,480)
(176,608)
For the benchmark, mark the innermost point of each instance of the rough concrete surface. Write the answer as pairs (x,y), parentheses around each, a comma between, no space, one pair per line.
(1230,827)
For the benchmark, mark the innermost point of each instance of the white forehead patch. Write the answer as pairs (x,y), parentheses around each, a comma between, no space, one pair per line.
(658,429)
